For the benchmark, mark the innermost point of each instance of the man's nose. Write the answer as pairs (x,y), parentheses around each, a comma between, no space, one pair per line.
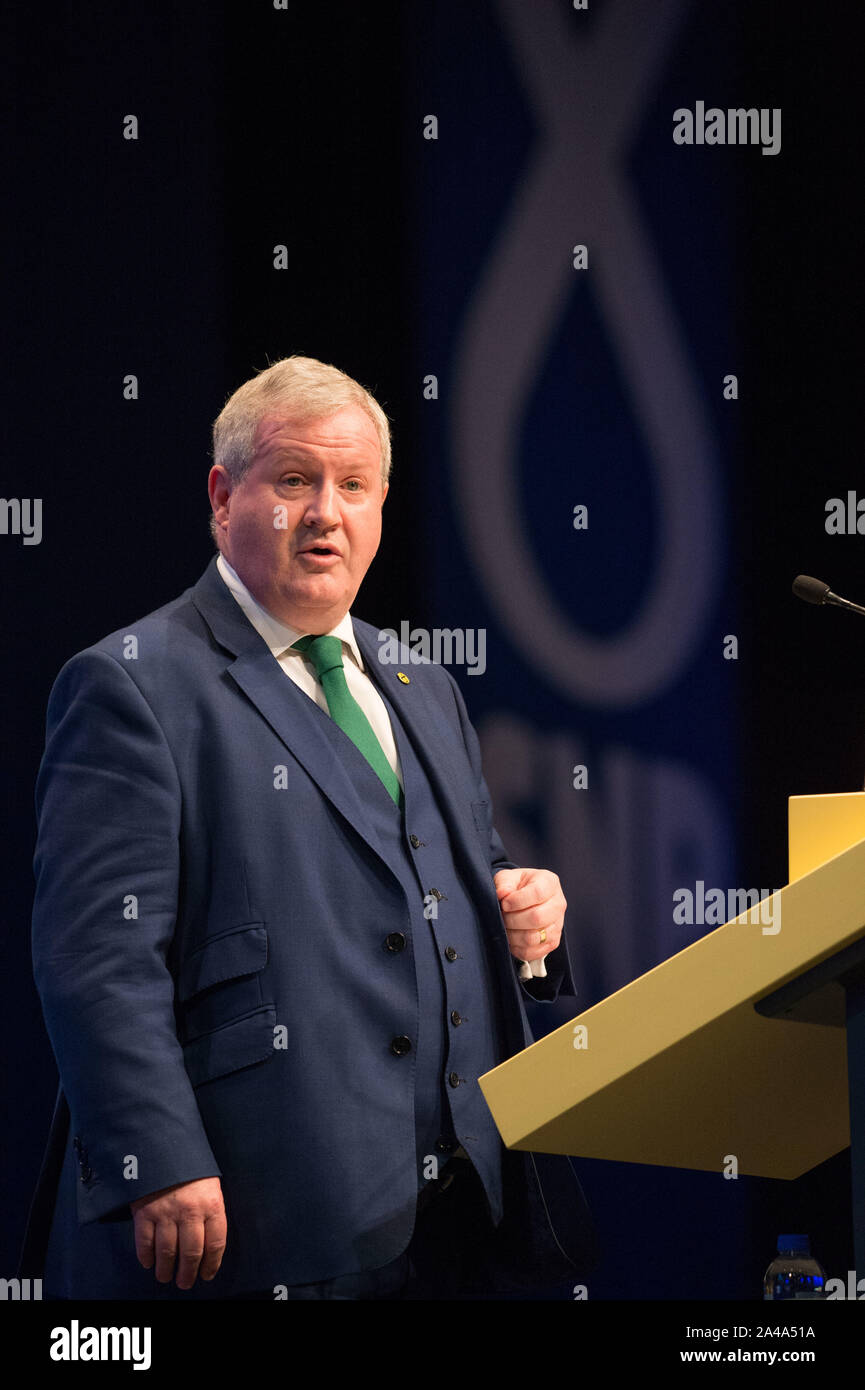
(322,509)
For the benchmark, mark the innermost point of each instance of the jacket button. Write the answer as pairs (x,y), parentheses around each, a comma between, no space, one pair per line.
(445,1146)
(415,842)
(76,1143)
(395,942)
(456,1018)
(454,1078)
(400,1046)
(86,1173)
(450,952)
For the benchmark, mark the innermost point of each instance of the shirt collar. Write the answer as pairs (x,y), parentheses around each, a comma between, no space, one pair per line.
(278,635)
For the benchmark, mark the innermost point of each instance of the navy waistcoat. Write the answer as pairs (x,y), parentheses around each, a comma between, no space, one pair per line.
(459,1031)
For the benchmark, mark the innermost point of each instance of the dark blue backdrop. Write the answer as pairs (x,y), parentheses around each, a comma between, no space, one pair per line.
(601,386)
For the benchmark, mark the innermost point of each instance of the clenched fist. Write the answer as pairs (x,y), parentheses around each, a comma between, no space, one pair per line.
(533,908)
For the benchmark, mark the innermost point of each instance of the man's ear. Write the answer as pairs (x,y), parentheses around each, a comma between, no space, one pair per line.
(219,487)
(384,492)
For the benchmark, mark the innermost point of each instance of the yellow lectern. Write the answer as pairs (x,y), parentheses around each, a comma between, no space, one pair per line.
(736,1046)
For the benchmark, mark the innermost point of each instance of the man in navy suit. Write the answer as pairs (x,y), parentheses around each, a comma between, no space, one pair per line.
(276,937)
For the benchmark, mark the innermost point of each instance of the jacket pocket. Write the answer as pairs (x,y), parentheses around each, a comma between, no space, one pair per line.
(221,980)
(236,952)
(240,1043)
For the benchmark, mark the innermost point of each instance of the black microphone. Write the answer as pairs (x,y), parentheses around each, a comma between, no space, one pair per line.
(815,591)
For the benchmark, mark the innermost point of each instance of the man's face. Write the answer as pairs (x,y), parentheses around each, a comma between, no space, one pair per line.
(320,482)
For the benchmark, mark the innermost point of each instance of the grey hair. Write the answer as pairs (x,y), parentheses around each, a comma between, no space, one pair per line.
(304,388)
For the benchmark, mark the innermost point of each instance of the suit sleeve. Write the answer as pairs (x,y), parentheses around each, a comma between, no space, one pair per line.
(107,870)
(559,977)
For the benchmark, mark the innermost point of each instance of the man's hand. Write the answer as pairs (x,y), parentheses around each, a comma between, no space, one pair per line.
(532,904)
(185,1221)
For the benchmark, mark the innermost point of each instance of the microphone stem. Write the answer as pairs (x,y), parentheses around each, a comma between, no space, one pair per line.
(844,603)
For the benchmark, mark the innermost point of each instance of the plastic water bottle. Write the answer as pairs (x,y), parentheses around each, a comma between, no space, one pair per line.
(794,1273)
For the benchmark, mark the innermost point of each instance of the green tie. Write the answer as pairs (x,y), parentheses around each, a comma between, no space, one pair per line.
(325,653)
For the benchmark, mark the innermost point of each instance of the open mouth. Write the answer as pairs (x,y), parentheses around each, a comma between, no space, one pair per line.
(321,554)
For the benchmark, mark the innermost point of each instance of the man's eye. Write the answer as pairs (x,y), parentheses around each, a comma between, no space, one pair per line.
(353,483)
(293,479)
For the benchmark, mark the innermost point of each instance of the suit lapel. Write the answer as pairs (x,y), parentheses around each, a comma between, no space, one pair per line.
(422,717)
(310,735)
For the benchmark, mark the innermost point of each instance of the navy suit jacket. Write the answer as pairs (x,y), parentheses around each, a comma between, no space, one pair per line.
(204,876)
